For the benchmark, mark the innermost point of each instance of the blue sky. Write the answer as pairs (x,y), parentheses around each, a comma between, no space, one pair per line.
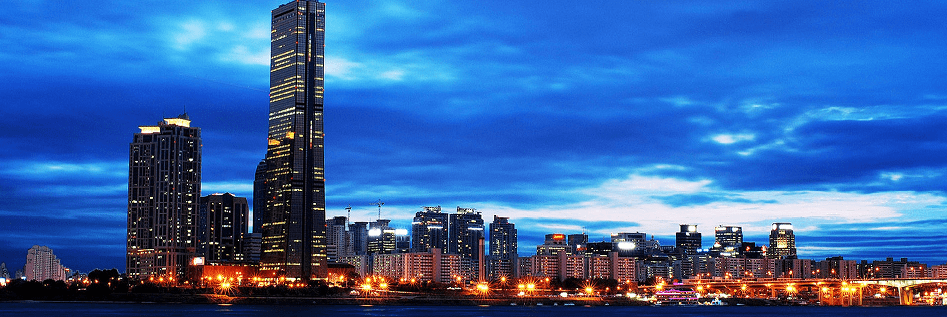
(608,116)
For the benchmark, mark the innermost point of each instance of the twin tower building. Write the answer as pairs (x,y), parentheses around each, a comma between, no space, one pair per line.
(166,228)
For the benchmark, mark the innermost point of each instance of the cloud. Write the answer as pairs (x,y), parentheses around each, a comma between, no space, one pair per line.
(239,188)
(61,170)
(732,138)
(242,54)
(188,33)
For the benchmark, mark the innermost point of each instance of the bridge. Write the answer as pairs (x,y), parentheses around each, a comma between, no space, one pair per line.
(830,291)
(903,285)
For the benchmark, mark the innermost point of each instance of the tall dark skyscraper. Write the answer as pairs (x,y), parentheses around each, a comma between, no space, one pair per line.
(503,245)
(294,226)
(466,231)
(164,190)
(259,197)
(429,230)
(223,228)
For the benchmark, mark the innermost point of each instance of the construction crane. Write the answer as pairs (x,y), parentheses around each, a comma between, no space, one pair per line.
(378,203)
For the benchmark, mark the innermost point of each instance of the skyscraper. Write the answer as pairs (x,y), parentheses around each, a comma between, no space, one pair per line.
(382,239)
(294,225)
(688,240)
(164,188)
(466,231)
(503,248)
(223,228)
(359,237)
(727,241)
(259,196)
(782,242)
(429,230)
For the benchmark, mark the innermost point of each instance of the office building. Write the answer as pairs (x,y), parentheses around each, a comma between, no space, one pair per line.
(553,244)
(577,243)
(223,227)
(294,242)
(164,190)
(42,264)
(782,242)
(429,230)
(727,241)
(688,240)
(503,248)
(252,246)
(466,235)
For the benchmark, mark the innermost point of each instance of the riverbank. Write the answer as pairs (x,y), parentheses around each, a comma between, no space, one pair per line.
(361,301)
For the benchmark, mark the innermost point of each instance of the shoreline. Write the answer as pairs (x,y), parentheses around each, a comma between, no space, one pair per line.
(205,299)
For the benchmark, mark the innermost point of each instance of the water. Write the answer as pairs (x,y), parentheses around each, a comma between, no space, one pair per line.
(191,310)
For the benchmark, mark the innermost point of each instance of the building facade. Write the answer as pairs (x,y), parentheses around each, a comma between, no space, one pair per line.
(727,241)
(223,228)
(429,230)
(782,241)
(503,248)
(42,264)
(466,239)
(688,240)
(294,225)
(164,190)
(414,267)
(358,237)
(259,197)
(337,239)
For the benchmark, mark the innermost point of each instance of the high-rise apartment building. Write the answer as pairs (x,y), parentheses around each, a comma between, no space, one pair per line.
(429,230)
(164,190)
(688,240)
(466,233)
(223,228)
(42,264)
(782,242)
(383,239)
(294,225)
(337,245)
(4,274)
(358,232)
(503,248)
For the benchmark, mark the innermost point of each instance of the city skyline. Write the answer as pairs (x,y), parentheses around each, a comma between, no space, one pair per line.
(619,117)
